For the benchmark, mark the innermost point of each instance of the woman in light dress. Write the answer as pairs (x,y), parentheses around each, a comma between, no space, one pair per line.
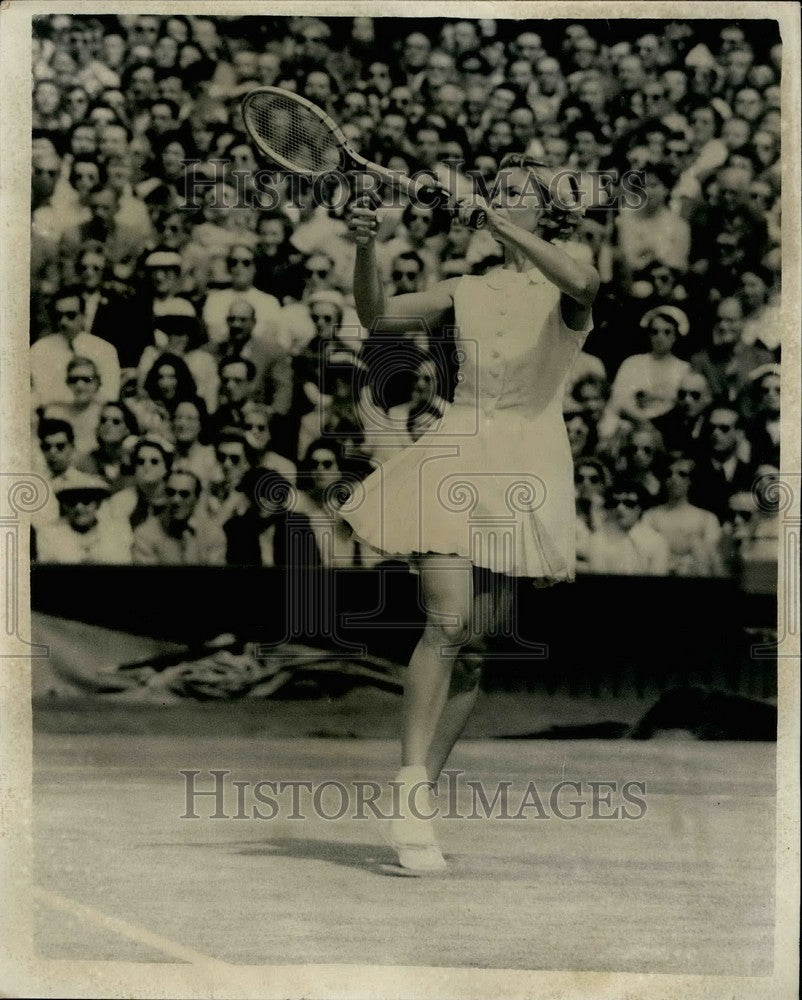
(488,494)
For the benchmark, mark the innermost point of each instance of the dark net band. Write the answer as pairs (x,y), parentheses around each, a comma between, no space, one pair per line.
(291,134)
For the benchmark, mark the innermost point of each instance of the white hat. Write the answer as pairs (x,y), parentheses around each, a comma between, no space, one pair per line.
(762,370)
(83,482)
(174,306)
(163,258)
(677,316)
(330,295)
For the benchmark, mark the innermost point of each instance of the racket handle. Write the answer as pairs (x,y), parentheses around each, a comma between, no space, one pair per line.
(477,218)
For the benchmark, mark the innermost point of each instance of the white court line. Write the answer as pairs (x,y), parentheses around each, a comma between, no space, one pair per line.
(122,927)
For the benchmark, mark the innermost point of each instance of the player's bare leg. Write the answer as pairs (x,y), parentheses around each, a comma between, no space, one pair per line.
(491,609)
(447,587)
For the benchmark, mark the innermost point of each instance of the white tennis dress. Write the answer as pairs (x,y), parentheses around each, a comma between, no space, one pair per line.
(494,480)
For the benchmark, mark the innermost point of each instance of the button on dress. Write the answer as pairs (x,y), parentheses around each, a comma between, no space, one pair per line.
(492,482)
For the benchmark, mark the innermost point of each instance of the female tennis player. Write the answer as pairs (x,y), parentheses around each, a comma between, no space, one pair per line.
(489,494)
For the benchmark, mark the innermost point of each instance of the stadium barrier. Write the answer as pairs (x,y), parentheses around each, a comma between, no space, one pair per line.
(601,634)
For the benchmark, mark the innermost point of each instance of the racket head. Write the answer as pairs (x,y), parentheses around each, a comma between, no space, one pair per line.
(295,134)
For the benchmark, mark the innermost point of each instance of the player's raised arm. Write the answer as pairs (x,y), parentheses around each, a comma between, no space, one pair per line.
(369,296)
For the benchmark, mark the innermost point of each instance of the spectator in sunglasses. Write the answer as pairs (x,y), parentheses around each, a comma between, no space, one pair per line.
(267,531)
(84,533)
(325,307)
(763,427)
(151,459)
(55,462)
(109,459)
(640,460)
(83,411)
(180,535)
(683,426)
(749,535)
(407,273)
(625,544)
(51,354)
(318,271)
(721,471)
(234,457)
(591,481)
(108,314)
(241,263)
(324,486)
(256,419)
(692,534)
(646,384)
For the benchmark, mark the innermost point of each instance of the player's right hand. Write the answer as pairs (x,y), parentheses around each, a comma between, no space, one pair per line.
(363,219)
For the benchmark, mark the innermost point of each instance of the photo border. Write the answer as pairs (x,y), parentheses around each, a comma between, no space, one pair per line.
(21,973)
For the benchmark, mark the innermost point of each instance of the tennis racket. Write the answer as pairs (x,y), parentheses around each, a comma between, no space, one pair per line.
(300,137)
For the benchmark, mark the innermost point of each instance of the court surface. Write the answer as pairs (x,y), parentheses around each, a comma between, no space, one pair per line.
(686,888)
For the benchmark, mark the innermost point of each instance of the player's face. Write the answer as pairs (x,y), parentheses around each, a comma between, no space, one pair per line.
(519,196)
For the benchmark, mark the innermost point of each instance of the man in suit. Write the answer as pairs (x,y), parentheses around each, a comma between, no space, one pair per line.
(727,362)
(122,246)
(720,471)
(269,533)
(121,322)
(683,428)
(180,535)
(51,355)
(273,380)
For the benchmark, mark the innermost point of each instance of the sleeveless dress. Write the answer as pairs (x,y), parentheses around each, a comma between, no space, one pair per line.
(493,482)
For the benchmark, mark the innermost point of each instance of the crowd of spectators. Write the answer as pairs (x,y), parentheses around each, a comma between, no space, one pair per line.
(202,390)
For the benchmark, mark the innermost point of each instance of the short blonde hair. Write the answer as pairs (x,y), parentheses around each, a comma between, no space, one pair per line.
(562,217)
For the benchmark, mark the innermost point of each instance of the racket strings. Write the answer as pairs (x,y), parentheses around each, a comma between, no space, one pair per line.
(292,135)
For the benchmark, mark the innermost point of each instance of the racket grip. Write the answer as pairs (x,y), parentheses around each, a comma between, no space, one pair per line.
(477,218)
